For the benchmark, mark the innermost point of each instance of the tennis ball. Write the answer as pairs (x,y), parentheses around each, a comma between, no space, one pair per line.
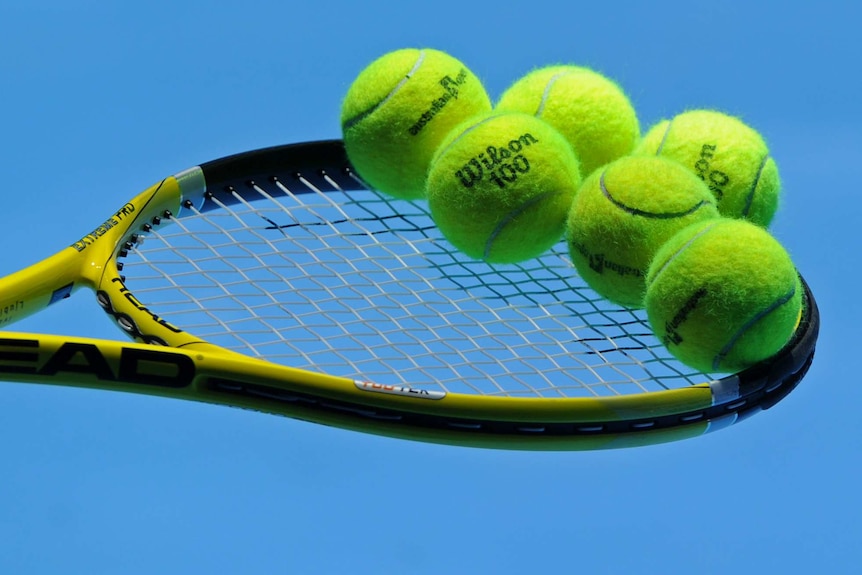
(621,216)
(399,109)
(723,295)
(500,186)
(730,156)
(589,109)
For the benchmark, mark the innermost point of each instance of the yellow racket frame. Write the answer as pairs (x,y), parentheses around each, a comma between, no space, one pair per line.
(186,367)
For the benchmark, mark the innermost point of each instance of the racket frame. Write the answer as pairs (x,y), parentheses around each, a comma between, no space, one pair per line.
(170,362)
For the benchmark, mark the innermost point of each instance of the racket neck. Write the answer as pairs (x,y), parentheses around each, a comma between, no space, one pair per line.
(89,261)
(34,288)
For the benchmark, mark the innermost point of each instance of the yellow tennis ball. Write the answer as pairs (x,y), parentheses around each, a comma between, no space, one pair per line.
(589,109)
(500,186)
(730,156)
(621,216)
(723,295)
(399,109)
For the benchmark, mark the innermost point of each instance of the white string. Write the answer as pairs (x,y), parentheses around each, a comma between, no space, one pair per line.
(355,284)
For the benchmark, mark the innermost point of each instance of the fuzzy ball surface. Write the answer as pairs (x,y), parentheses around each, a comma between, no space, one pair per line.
(589,109)
(727,154)
(621,216)
(723,295)
(397,112)
(501,185)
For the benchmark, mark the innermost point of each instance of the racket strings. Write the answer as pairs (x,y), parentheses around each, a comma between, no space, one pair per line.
(356,284)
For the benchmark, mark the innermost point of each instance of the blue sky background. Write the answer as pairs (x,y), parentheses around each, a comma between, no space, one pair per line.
(103,99)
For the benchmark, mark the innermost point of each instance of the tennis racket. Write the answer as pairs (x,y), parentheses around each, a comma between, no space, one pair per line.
(274,280)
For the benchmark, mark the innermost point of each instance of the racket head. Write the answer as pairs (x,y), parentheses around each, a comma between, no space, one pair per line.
(284,285)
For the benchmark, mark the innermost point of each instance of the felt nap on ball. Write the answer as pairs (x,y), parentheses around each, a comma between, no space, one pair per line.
(723,295)
(589,109)
(399,109)
(730,156)
(501,185)
(621,216)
